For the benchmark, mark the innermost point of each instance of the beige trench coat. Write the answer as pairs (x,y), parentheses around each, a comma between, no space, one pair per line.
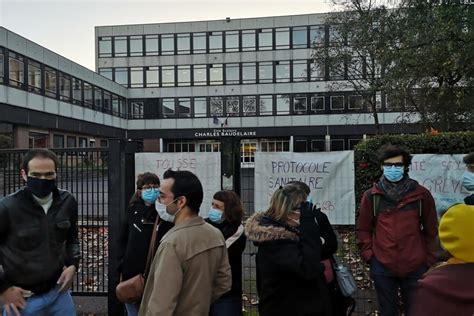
(189,272)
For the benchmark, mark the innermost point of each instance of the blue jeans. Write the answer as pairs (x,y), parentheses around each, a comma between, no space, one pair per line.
(131,310)
(227,306)
(387,285)
(51,303)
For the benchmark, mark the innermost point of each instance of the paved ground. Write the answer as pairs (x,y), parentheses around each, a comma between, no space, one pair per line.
(90,305)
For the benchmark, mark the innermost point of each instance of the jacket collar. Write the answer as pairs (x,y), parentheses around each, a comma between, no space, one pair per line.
(417,191)
(260,228)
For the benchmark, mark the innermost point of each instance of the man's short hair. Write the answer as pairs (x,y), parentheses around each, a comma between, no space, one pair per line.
(39,153)
(186,184)
(469,159)
(390,151)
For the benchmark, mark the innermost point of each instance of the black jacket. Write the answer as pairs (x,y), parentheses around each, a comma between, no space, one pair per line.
(329,248)
(289,273)
(34,246)
(135,237)
(469,200)
(235,252)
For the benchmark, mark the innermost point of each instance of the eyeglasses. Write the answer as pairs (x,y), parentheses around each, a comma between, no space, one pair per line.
(150,188)
(394,164)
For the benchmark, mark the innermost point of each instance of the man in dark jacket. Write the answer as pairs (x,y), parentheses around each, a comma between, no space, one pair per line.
(468,178)
(397,230)
(39,248)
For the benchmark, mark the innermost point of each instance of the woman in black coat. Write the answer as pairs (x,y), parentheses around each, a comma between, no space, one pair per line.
(226,214)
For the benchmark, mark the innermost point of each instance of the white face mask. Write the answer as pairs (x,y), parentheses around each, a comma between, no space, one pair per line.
(163,213)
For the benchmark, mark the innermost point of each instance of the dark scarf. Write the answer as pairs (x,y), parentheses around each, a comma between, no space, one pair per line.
(228,229)
(397,190)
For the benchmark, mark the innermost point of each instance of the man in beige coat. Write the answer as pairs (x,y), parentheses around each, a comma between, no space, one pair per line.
(190,269)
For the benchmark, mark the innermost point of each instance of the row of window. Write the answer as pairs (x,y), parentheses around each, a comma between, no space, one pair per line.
(248,105)
(217,42)
(70,141)
(24,73)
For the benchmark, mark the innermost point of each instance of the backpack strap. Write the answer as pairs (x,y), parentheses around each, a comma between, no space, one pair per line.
(420,214)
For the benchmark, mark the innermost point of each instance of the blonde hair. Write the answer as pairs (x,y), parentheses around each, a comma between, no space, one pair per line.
(283,201)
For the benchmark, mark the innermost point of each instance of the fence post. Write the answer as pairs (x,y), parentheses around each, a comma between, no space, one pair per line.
(230,164)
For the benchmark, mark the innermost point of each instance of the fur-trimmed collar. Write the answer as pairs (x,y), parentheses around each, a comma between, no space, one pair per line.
(257,231)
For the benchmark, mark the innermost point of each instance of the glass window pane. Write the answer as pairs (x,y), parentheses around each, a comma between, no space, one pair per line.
(34,76)
(249,72)
(1,66)
(300,70)
(355,102)
(335,35)
(97,98)
(88,95)
(105,46)
(216,106)
(265,39)
(232,106)
(167,44)
(71,141)
(184,43)
(121,76)
(282,69)
(58,141)
(337,102)
(136,77)
(265,72)
(266,105)
(282,38)
(300,105)
(136,109)
(248,40)
(64,87)
(282,104)
(136,45)
(215,42)
(317,103)
(168,108)
(232,75)
(77,90)
(152,77)
(167,76)
(184,107)
(337,144)
(317,35)
(200,75)
(152,45)
(300,39)
(200,107)
(317,71)
(115,105)
(50,84)
(232,41)
(184,76)
(215,74)
(120,46)
(199,43)
(249,105)
(16,69)
(107,103)
(106,72)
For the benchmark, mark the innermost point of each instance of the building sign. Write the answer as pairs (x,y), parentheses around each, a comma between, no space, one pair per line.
(225,132)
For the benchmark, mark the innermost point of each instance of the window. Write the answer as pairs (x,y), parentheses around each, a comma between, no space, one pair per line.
(232,106)
(105,46)
(249,72)
(199,43)
(88,101)
(335,35)
(300,105)
(265,72)
(318,145)
(215,74)
(82,142)
(355,68)
(98,98)
(115,104)
(216,106)
(50,84)
(184,107)
(282,104)
(352,142)
(247,152)
(200,107)
(167,76)
(282,38)
(120,46)
(265,39)
(209,147)
(273,145)
(17,71)
(317,103)
(136,109)
(64,87)
(184,43)
(76,91)
(106,72)
(215,42)
(300,37)
(168,107)
(248,40)
(249,103)
(355,102)
(282,71)
(337,102)
(337,144)
(317,35)
(136,77)
(184,76)
(136,45)
(122,107)
(181,146)
(121,76)
(58,141)
(167,44)
(71,141)
(232,41)
(300,70)
(37,140)
(1,66)
(336,69)
(34,76)
(107,103)
(300,145)
(232,75)
(104,143)
(152,45)
(200,75)
(317,71)
(152,77)
(266,105)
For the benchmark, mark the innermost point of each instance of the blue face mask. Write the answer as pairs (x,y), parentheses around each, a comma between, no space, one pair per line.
(215,215)
(150,195)
(468,180)
(393,173)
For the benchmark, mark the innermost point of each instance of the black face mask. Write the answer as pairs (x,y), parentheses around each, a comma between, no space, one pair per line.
(40,187)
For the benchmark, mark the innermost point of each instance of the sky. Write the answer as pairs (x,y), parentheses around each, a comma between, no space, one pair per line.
(67,26)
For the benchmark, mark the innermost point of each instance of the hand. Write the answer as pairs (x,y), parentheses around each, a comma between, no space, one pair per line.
(66,278)
(13,300)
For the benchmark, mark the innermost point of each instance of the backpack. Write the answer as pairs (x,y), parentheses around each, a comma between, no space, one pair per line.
(376,203)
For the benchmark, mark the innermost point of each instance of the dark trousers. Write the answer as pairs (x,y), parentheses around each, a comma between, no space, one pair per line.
(387,286)
(227,306)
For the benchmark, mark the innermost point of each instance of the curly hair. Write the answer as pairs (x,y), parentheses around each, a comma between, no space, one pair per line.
(233,209)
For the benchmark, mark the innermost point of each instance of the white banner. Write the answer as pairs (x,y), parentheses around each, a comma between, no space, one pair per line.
(206,166)
(330,176)
(441,174)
